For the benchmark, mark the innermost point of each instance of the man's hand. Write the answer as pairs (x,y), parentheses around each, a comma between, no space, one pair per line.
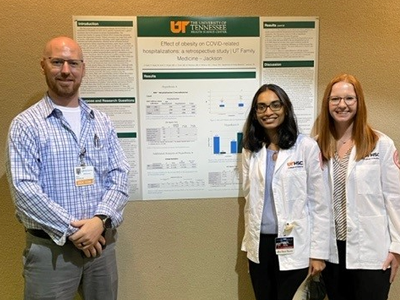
(96,249)
(392,260)
(88,238)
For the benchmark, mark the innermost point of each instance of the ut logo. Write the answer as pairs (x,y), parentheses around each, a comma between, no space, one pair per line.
(179,26)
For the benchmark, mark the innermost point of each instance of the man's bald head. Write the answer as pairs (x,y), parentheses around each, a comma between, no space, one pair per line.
(64,45)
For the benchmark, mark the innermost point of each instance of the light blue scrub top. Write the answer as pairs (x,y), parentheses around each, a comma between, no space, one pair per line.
(269,222)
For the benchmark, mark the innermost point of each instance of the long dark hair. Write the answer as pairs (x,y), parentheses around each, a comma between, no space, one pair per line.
(254,135)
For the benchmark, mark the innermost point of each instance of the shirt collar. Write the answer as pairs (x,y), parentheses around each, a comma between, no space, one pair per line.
(49,108)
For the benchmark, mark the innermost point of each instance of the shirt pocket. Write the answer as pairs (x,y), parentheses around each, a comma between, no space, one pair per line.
(99,151)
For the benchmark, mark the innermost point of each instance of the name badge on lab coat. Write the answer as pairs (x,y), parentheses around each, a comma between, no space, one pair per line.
(284,245)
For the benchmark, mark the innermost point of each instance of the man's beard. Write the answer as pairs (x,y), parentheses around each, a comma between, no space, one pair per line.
(61,91)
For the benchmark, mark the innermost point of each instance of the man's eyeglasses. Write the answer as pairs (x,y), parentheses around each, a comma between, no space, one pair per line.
(274,106)
(58,63)
(349,100)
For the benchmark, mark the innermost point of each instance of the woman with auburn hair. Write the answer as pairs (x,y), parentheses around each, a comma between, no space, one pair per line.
(287,208)
(364,183)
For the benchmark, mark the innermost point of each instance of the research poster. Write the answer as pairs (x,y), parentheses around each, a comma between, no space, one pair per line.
(178,90)
(289,59)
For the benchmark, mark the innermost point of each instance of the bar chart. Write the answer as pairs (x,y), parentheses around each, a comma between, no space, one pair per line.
(226,145)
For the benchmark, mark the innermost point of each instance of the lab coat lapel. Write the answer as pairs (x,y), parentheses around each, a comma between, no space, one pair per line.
(352,161)
(283,156)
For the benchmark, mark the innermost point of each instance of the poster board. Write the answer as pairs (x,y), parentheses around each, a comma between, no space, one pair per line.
(178,90)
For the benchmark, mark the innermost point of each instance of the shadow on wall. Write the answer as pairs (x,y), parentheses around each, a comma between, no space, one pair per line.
(245,289)
(13,241)
(244,283)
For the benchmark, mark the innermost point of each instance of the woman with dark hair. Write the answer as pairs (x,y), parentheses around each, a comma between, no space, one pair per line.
(286,211)
(364,184)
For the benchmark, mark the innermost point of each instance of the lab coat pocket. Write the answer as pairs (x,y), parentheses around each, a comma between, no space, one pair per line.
(368,180)
(301,234)
(372,238)
(295,185)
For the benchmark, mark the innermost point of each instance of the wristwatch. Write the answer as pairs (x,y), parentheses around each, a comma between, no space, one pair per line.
(106,221)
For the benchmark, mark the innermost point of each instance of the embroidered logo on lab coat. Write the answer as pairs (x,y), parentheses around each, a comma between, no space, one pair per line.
(372,156)
(295,164)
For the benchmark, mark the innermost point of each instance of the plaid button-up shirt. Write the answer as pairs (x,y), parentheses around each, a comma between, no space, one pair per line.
(42,156)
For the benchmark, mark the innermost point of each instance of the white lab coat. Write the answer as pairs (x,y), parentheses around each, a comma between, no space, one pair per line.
(373,207)
(300,200)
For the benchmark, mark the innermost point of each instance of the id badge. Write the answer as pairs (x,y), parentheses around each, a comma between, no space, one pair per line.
(84,175)
(284,245)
